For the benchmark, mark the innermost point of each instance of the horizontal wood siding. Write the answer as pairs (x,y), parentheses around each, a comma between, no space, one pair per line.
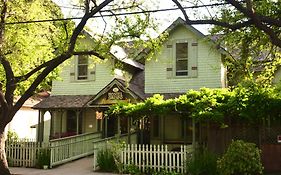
(209,68)
(65,86)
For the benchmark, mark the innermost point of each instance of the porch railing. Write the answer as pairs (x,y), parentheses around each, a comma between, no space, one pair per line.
(70,148)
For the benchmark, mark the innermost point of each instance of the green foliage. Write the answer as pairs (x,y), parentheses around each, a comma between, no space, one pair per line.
(240,158)
(165,172)
(252,104)
(106,160)
(132,169)
(44,157)
(26,46)
(250,48)
(12,136)
(202,162)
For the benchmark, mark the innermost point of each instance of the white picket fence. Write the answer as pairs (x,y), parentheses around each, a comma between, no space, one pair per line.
(23,152)
(156,157)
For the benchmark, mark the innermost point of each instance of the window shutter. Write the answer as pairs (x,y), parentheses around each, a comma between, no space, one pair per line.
(169,55)
(91,70)
(72,72)
(193,58)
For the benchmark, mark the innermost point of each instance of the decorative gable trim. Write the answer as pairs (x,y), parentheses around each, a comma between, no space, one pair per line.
(116,91)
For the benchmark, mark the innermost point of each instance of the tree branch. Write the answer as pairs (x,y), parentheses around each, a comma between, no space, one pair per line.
(91,52)
(10,80)
(29,74)
(59,59)
(256,21)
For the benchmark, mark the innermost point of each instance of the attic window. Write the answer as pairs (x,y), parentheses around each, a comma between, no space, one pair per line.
(182,59)
(82,68)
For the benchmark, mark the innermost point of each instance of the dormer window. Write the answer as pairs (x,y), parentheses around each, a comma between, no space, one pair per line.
(182,59)
(82,67)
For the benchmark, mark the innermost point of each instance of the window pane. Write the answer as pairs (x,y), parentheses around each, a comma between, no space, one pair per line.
(181,59)
(82,72)
(179,73)
(181,50)
(82,68)
(181,65)
(82,60)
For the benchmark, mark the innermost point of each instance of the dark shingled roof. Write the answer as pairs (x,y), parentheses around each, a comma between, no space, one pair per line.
(63,101)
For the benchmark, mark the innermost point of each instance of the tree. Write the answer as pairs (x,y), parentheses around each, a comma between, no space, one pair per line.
(32,51)
(250,31)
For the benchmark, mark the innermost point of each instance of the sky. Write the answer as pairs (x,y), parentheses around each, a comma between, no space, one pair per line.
(164,19)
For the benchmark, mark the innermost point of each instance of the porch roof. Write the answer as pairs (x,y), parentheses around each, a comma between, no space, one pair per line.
(63,102)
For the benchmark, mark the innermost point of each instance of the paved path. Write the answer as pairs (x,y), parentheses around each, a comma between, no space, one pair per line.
(78,167)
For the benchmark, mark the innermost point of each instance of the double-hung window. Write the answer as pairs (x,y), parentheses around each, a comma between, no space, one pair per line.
(181,59)
(82,67)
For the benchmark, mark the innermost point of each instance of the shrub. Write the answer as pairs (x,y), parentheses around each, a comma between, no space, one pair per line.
(132,169)
(202,162)
(240,158)
(106,160)
(44,157)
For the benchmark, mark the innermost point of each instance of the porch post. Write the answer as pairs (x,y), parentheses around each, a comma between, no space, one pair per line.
(51,125)
(38,127)
(61,115)
(184,130)
(118,127)
(163,128)
(77,122)
(41,126)
(129,130)
(105,124)
(193,134)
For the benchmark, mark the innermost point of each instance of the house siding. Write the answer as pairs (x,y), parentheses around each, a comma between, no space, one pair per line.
(65,86)
(208,67)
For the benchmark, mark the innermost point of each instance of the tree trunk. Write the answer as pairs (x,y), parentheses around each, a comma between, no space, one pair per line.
(4,170)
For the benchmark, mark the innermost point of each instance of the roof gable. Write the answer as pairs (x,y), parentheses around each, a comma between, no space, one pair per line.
(116,91)
(179,22)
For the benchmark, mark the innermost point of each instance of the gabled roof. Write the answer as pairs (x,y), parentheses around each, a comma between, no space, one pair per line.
(123,86)
(180,21)
(199,34)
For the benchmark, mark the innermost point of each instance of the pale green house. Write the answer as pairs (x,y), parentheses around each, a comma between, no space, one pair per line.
(188,60)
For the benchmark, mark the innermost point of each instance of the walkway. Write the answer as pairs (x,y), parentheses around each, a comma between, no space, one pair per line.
(79,167)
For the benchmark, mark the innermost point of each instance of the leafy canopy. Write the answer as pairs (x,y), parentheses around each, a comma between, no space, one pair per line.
(26,46)
(252,54)
(251,104)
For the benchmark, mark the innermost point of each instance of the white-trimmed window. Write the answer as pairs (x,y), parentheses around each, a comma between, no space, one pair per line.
(82,67)
(181,59)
